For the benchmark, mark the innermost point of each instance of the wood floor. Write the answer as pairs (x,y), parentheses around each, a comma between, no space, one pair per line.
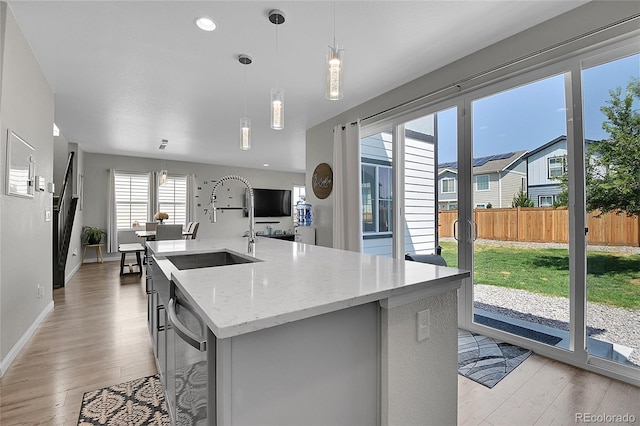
(97,336)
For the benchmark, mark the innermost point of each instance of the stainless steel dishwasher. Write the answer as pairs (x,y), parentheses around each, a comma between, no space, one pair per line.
(188,341)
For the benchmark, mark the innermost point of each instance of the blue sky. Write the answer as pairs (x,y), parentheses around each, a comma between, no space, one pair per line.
(532,115)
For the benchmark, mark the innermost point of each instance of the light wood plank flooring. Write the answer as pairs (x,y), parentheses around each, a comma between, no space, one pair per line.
(97,336)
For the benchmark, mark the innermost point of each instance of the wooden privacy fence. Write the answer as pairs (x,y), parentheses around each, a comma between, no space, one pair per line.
(545,224)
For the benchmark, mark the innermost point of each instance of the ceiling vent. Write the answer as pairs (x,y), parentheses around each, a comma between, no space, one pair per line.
(163,144)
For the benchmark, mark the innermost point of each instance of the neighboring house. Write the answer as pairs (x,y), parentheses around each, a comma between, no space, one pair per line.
(377,193)
(545,165)
(496,179)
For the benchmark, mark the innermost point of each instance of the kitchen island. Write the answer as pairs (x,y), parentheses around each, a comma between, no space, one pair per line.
(313,335)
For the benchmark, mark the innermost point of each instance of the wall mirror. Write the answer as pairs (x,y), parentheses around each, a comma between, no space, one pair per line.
(20,166)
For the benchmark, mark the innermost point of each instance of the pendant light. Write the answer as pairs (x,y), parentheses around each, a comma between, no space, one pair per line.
(276,17)
(245,122)
(335,66)
(162,176)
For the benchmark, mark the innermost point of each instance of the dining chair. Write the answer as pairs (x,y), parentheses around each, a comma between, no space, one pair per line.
(151,226)
(169,232)
(193,231)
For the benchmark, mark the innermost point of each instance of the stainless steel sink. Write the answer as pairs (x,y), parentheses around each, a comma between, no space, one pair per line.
(208,260)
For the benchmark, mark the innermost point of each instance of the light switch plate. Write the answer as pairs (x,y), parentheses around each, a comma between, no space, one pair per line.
(47,215)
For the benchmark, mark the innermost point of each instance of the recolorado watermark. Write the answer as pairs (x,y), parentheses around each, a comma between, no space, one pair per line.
(605,418)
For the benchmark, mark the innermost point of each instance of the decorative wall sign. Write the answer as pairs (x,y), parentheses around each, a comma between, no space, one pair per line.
(322,181)
(20,166)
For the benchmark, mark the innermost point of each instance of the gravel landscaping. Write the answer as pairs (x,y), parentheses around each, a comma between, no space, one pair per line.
(611,324)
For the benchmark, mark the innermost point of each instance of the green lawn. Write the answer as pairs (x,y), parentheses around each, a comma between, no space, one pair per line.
(612,278)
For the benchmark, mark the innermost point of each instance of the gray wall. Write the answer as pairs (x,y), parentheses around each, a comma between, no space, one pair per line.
(230,222)
(26,107)
(591,16)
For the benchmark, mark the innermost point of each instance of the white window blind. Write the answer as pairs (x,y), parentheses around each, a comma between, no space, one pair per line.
(132,198)
(172,199)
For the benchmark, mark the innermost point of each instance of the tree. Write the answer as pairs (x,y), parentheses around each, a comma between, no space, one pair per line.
(613,164)
(521,199)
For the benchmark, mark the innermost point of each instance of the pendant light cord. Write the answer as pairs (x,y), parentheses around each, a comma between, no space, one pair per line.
(245,91)
(277,56)
(334,25)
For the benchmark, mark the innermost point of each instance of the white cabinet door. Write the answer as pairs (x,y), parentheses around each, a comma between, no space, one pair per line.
(305,234)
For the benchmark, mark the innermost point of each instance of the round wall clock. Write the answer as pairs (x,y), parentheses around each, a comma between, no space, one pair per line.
(322,180)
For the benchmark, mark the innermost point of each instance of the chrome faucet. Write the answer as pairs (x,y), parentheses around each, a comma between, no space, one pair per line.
(251,249)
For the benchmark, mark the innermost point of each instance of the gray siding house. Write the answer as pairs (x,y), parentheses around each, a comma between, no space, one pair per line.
(545,165)
(496,179)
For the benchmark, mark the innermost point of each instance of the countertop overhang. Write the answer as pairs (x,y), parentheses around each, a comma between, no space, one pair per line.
(293,281)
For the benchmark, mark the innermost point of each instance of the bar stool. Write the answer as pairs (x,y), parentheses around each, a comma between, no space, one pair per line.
(136,248)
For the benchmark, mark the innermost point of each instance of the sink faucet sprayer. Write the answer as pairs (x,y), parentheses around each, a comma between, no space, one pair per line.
(252,227)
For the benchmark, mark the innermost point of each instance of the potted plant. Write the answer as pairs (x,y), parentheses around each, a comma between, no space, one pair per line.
(91,235)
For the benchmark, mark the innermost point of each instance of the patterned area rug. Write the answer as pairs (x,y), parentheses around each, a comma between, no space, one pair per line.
(486,360)
(134,403)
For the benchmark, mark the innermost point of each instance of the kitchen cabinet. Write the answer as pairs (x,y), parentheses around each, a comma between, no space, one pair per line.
(157,298)
(305,234)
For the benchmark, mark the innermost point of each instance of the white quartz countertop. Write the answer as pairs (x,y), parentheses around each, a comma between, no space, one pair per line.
(292,281)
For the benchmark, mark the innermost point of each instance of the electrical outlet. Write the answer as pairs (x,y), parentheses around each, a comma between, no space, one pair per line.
(423,325)
(40,292)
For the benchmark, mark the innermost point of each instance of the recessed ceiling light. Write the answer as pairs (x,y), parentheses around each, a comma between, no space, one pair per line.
(266,164)
(205,24)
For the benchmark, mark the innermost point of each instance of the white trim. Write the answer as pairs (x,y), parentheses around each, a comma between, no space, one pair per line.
(73,271)
(563,166)
(20,344)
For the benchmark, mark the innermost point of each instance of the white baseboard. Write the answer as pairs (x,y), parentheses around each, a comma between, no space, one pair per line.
(70,274)
(13,353)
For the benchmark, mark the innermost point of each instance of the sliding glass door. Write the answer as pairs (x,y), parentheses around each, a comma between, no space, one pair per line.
(611,105)
(520,220)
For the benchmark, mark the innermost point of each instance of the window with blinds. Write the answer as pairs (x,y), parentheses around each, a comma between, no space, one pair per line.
(132,198)
(172,199)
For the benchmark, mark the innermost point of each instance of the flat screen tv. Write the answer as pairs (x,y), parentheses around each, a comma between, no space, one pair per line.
(270,202)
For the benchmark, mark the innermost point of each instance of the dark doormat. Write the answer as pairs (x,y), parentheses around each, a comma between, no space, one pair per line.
(538,336)
(134,403)
(486,360)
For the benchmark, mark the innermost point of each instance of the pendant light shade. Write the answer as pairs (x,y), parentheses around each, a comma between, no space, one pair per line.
(245,133)
(334,74)
(276,17)
(245,122)
(335,66)
(277,109)
(163,178)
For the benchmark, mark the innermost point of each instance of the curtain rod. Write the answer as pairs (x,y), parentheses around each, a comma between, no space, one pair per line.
(505,65)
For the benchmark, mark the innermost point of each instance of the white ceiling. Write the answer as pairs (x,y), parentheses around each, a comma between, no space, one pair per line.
(128,74)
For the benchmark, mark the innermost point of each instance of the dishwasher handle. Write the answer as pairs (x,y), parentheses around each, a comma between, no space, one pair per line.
(187,335)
